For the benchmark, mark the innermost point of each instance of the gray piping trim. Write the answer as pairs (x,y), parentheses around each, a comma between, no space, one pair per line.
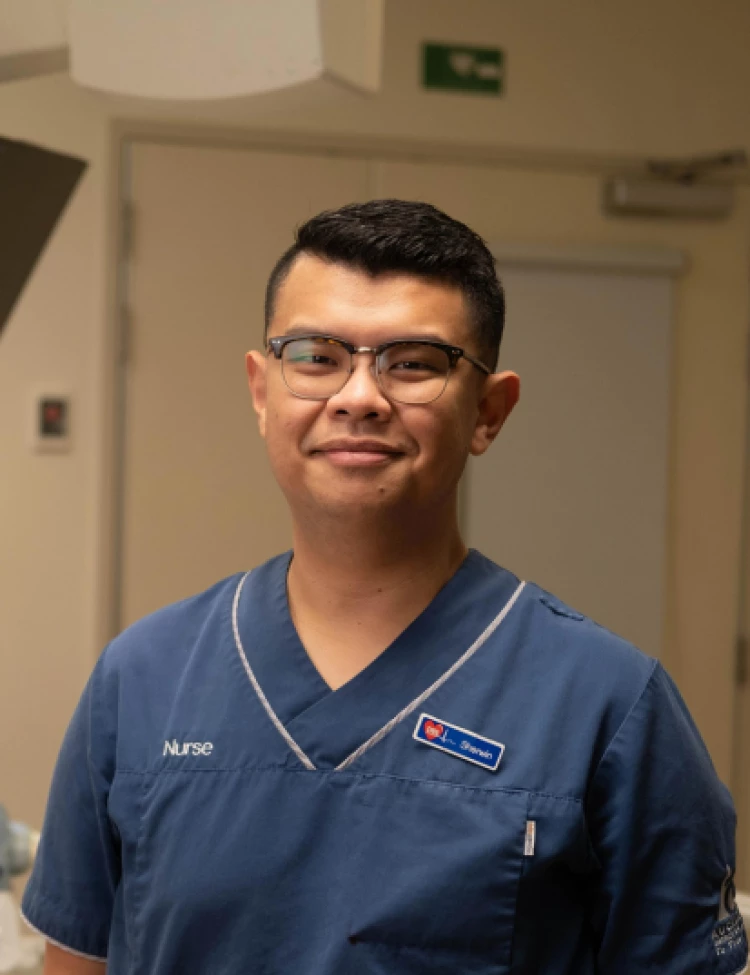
(409,709)
(417,702)
(59,944)
(258,689)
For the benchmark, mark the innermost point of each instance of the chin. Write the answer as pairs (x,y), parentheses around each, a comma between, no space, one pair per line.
(358,499)
(354,497)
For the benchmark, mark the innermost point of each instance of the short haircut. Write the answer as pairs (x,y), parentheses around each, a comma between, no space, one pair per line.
(416,238)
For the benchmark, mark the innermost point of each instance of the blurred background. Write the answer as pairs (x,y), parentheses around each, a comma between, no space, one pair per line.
(163,154)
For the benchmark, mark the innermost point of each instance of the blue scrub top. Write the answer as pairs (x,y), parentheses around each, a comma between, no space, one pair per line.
(217,808)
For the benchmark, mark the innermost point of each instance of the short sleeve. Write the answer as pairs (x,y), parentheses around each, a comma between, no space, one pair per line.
(662,827)
(69,897)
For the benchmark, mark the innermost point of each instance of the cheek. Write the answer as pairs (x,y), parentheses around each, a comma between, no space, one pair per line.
(444,440)
(287,425)
(280,431)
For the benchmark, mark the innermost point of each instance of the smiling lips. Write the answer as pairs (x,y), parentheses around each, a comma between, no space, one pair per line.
(357,453)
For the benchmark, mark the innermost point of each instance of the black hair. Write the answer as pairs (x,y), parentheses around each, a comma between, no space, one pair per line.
(402,235)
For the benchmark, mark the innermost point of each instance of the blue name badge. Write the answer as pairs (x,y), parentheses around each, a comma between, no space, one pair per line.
(459,742)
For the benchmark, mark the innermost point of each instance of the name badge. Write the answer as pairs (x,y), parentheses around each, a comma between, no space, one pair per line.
(459,742)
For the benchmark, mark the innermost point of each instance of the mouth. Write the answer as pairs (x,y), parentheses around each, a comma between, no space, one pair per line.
(357,453)
(359,458)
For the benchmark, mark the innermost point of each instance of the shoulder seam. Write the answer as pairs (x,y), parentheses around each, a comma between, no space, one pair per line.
(654,667)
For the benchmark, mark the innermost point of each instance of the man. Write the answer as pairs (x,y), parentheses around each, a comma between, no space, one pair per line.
(382,753)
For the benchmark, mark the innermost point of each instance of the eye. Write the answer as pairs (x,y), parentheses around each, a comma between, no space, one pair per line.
(412,362)
(312,359)
(413,365)
(313,355)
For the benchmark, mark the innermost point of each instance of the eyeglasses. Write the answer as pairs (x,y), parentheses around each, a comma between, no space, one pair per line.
(413,372)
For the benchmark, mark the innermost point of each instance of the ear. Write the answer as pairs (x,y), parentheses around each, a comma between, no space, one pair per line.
(255,364)
(499,395)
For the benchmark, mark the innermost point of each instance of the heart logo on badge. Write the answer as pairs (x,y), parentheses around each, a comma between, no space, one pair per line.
(433,730)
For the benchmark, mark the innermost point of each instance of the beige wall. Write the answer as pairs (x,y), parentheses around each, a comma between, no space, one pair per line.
(30,26)
(48,503)
(634,78)
(646,76)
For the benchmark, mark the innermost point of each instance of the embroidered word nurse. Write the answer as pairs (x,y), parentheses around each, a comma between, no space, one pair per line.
(187,747)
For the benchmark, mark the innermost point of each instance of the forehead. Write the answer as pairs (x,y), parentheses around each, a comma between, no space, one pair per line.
(352,304)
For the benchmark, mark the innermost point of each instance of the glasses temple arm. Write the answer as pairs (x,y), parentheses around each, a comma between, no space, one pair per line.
(477,363)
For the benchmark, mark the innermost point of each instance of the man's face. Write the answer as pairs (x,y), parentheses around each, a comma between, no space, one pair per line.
(413,455)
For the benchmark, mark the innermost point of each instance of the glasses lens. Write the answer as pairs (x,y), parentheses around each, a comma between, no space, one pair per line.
(413,372)
(315,367)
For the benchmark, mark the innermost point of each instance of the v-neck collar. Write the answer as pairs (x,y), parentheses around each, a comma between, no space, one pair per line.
(329,725)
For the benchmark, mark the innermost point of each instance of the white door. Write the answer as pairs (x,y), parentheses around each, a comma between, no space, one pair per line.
(198,500)
(573,494)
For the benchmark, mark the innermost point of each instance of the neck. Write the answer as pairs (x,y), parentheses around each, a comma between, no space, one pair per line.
(343,568)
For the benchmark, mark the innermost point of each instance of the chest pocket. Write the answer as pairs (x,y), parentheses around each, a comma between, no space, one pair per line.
(436,875)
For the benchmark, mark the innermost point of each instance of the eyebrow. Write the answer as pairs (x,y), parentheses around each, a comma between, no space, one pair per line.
(304,330)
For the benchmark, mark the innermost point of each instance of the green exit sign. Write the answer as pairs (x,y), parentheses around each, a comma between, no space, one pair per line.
(458,67)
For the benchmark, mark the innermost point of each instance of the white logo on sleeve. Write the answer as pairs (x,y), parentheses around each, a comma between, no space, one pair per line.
(174,747)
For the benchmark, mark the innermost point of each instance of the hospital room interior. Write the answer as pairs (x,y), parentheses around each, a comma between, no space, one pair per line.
(156,159)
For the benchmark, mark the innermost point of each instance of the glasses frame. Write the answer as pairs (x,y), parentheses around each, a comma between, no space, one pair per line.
(454,353)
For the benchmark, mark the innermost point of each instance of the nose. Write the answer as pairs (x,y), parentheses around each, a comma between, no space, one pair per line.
(360,397)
